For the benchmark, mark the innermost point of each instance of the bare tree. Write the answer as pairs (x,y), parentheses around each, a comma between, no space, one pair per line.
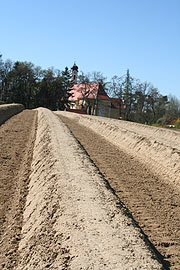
(116,91)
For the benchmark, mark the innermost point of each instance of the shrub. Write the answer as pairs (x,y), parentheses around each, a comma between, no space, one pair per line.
(177,123)
(159,121)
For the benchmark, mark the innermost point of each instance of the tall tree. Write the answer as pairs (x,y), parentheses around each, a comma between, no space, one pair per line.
(1,77)
(86,88)
(98,77)
(66,86)
(139,102)
(127,95)
(7,68)
(116,91)
(20,82)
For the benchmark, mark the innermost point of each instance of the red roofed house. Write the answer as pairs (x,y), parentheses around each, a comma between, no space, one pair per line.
(90,98)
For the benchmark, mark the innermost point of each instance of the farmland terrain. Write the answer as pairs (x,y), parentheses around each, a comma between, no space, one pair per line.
(17,137)
(67,194)
(153,200)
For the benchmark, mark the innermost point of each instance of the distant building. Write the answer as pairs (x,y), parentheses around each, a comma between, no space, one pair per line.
(74,73)
(91,98)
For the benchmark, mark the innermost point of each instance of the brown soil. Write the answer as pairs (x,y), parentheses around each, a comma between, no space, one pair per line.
(55,209)
(154,203)
(72,219)
(16,144)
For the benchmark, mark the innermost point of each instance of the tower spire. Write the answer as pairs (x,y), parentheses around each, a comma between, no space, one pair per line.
(74,73)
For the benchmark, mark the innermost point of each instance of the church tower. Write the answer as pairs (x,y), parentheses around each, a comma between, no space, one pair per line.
(74,73)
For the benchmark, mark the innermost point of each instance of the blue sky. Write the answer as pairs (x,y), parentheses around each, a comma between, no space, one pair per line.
(100,35)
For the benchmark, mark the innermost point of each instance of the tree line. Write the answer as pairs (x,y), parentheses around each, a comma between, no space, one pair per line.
(32,86)
(138,101)
(23,82)
(143,102)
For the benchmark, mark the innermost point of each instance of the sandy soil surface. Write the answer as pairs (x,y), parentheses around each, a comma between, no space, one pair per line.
(72,219)
(8,110)
(16,145)
(157,147)
(153,200)
(57,210)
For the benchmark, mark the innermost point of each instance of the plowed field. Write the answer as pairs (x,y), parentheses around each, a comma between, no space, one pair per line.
(154,203)
(67,196)
(17,136)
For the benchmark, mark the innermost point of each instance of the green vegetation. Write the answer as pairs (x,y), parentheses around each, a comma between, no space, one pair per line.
(24,83)
(177,123)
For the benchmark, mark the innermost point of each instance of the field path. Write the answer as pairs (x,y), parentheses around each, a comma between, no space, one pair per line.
(154,203)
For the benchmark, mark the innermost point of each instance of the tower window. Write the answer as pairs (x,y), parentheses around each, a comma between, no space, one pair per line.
(74,77)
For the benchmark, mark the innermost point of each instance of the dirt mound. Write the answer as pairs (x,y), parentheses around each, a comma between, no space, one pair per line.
(6,111)
(156,147)
(154,203)
(16,147)
(71,219)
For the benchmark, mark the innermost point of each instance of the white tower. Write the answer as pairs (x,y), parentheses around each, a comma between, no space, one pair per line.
(74,73)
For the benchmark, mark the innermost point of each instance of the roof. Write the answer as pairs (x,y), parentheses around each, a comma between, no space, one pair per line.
(116,103)
(103,97)
(88,90)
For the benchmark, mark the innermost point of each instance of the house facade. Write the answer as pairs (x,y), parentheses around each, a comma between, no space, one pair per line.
(91,98)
